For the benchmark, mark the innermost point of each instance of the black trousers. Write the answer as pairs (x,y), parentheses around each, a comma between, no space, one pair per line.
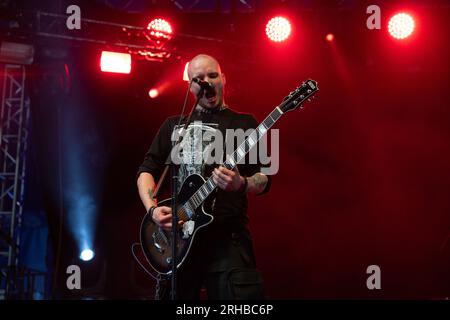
(223,263)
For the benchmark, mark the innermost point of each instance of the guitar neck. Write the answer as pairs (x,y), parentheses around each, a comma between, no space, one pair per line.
(253,138)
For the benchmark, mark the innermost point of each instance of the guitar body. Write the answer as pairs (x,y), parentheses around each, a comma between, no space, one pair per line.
(157,243)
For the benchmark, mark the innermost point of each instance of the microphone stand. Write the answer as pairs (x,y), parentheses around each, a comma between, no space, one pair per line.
(174,187)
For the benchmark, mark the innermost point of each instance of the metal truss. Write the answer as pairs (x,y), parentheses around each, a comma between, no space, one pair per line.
(132,39)
(50,30)
(215,6)
(15,113)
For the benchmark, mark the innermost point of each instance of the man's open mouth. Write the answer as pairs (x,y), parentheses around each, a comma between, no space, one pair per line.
(210,94)
(212,99)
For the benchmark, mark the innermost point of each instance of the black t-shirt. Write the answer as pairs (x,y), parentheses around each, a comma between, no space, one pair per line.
(228,208)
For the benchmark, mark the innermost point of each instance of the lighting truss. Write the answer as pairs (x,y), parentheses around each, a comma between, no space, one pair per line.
(15,113)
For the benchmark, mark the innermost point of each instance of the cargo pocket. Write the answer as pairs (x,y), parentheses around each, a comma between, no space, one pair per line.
(242,245)
(245,284)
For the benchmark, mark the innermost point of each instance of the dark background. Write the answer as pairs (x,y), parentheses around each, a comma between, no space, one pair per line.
(364,173)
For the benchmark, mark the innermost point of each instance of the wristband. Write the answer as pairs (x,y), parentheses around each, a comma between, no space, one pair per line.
(151,210)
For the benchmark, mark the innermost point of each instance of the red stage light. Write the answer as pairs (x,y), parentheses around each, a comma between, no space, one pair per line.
(160,28)
(153,93)
(401,26)
(115,62)
(278,29)
(329,37)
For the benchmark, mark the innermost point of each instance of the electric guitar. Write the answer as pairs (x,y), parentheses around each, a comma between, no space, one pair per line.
(157,243)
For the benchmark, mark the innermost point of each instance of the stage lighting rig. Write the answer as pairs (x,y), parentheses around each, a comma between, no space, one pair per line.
(135,40)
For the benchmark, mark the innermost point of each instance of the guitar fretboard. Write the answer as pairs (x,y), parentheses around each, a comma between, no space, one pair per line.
(252,139)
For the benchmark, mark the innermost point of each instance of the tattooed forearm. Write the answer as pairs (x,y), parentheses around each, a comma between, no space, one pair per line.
(257,183)
(150,194)
(146,185)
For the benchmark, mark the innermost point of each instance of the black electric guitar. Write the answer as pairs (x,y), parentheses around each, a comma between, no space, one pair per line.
(157,243)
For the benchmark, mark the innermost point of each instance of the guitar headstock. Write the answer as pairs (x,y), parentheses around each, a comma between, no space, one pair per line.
(302,93)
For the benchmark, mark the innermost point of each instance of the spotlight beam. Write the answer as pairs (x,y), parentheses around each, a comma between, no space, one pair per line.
(87,255)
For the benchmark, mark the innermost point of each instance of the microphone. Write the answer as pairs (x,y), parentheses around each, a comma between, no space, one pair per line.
(206,86)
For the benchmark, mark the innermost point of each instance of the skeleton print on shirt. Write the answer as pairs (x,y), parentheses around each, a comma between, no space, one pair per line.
(196,146)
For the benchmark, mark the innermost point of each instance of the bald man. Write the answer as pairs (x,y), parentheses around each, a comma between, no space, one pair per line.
(221,255)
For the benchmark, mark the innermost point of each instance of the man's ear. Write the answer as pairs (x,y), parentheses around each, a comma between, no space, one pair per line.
(224,80)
